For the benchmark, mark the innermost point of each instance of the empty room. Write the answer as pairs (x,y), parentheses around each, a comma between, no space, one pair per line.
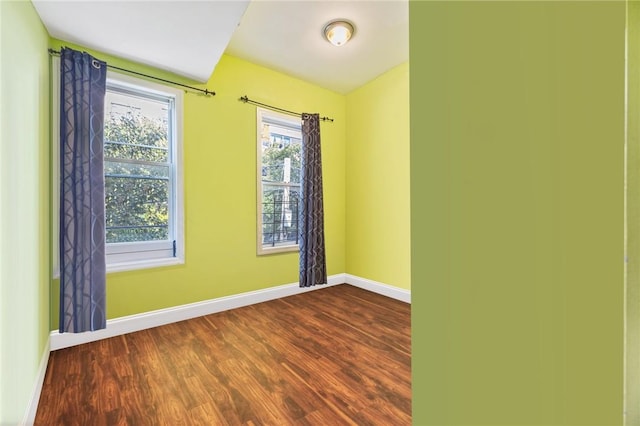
(251,189)
(261,212)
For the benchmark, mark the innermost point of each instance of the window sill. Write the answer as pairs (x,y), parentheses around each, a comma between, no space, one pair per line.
(274,250)
(137,265)
(144,264)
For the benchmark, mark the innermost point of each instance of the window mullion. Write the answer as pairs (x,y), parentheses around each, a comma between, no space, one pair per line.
(139,162)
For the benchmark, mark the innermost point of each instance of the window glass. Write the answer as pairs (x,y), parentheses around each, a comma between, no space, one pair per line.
(279,157)
(137,167)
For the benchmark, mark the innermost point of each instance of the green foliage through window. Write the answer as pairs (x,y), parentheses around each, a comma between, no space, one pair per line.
(137,177)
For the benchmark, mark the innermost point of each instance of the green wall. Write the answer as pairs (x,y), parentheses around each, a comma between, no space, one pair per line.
(220,192)
(377,208)
(24,210)
(517,138)
(632,223)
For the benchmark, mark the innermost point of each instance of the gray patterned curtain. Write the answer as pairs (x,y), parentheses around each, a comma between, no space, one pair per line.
(82,226)
(313,265)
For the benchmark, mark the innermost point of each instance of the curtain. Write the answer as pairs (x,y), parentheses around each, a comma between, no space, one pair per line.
(82,208)
(313,265)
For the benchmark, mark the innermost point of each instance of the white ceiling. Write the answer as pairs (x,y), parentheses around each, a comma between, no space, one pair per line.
(287,36)
(189,37)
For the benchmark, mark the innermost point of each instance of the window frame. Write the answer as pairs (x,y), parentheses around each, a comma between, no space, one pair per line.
(131,255)
(277,117)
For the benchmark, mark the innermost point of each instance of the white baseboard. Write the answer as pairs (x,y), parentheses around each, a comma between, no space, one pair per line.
(380,288)
(137,322)
(32,408)
(131,323)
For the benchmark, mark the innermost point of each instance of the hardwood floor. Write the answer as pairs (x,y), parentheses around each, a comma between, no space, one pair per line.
(336,356)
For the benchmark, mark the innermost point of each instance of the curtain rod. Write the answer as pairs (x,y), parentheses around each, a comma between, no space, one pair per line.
(245,99)
(205,91)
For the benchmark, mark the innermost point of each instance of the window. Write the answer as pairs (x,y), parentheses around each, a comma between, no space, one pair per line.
(279,169)
(140,152)
(143,177)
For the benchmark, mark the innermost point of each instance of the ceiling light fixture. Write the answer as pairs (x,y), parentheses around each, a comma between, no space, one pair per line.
(339,32)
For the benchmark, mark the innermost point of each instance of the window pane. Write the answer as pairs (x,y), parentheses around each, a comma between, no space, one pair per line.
(280,206)
(281,155)
(279,173)
(136,192)
(136,128)
(136,208)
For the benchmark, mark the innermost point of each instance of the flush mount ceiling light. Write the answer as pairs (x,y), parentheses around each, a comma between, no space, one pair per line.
(338,32)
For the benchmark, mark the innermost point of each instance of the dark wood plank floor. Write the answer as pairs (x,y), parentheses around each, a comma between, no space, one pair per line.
(339,355)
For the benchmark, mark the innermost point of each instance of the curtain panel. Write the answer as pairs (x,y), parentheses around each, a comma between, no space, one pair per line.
(82,208)
(313,265)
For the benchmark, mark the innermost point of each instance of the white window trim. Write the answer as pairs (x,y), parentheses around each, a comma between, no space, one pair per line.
(260,112)
(148,254)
